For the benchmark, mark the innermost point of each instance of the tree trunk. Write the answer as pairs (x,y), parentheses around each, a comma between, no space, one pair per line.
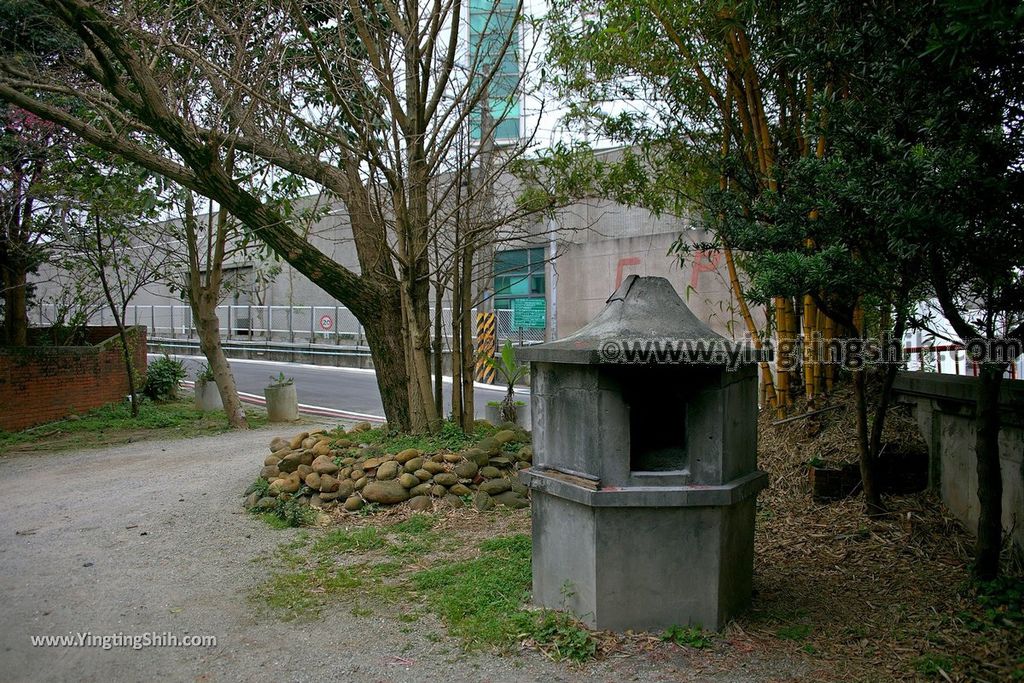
(208,328)
(990,482)
(438,352)
(466,338)
(385,341)
(872,497)
(129,364)
(15,306)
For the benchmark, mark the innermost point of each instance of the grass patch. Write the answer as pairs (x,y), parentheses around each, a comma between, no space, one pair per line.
(931,664)
(416,524)
(114,424)
(690,636)
(450,438)
(273,520)
(348,540)
(795,632)
(480,599)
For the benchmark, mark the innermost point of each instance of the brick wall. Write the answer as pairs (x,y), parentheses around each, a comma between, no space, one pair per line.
(43,383)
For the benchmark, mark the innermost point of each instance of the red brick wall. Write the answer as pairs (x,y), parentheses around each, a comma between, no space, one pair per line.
(44,383)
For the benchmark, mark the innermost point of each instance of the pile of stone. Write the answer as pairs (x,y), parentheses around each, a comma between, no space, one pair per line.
(326,470)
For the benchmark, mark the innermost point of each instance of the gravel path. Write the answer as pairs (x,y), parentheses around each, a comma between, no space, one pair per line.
(150,537)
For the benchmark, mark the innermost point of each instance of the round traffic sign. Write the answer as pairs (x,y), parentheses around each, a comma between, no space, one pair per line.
(326,322)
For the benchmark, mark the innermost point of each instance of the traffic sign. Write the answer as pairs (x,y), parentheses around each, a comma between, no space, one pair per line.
(326,322)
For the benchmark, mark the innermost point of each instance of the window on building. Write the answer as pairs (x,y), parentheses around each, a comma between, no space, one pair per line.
(519,295)
(518,273)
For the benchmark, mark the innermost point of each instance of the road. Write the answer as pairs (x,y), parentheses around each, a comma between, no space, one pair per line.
(352,390)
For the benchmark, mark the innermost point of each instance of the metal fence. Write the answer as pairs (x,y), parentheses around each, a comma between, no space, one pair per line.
(298,324)
(952,359)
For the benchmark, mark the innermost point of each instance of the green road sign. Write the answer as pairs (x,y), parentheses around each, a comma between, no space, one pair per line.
(530,312)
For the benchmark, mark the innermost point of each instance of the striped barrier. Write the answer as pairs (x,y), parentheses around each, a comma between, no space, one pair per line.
(486,346)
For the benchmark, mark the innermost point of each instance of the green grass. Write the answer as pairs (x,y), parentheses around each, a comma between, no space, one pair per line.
(480,599)
(450,438)
(930,664)
(348,540)
(415,524)
(114,424)
(690,636)
(795,632)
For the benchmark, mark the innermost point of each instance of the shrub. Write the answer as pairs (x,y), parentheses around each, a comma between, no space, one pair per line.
(163,377)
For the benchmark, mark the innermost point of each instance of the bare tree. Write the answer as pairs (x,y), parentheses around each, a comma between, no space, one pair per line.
(365,102)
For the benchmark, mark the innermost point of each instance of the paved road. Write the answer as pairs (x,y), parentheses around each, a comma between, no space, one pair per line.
(348,389)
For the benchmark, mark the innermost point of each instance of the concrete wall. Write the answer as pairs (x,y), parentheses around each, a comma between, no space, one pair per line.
(603,242)
(596,244)
(43,383)
(944,408)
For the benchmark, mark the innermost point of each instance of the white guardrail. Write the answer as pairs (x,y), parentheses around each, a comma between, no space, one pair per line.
(312,324)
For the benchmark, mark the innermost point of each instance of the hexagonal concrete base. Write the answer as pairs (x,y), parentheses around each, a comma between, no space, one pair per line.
(643,568)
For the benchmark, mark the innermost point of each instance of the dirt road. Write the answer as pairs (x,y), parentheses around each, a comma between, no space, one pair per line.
(150,538)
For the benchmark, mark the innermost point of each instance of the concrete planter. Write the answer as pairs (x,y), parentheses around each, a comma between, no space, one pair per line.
(208,396)
(282,403)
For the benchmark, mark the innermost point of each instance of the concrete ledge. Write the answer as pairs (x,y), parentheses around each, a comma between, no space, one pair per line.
(732,493)
(955,388)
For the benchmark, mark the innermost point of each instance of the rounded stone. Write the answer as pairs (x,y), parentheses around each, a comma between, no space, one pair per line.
(504,436)
(270,472)
(413,464)
(476,455)
(433,467)
(303,470)
(328,484)
(313,480)
(324,464)
(452,458)
(361,483)
(420,490)
(266,503)
(460,490)
(387,470)
(421,504)
(408,480)
(453,501)
(271,460)
(407,455)
(423,475)
(446,478)
(385,492)
(353,503)
(437,490)
(490,472)
(466,469)
(357,474)
(482,501)
(495,486)
(490,446)
(345,488)
(511,499)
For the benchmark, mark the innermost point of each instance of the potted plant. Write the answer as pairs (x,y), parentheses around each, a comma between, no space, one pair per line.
(511,371)
(207,393)
(282,401)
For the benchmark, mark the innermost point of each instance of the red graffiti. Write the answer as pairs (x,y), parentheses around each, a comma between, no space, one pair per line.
(623,262)
(704,262)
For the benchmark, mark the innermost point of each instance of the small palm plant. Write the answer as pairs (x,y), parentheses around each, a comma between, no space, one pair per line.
(511,371)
